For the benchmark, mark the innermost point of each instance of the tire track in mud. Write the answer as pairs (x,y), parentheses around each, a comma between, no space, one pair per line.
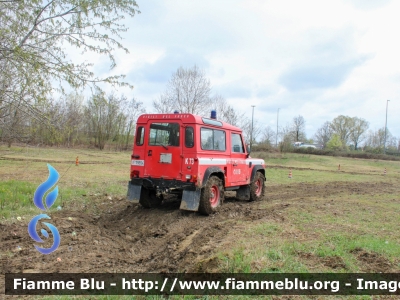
(169,239)
(124,237)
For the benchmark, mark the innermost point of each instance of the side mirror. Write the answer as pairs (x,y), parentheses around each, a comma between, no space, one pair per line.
(248,149)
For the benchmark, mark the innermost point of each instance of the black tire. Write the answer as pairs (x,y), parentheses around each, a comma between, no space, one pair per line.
(149,199)
(257,187)
(212,196)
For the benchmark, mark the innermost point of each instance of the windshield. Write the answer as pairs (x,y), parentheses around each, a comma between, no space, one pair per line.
(164,134)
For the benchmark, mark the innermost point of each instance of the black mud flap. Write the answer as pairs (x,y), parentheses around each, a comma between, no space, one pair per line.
(134,192)
(243,193)
(191,200)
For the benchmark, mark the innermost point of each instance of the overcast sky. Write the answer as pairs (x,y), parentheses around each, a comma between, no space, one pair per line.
(318,59)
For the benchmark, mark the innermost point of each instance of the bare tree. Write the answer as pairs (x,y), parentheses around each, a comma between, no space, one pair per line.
(373,139)
(163,105)
(226,112)
(298,128)
(13,123)
(246,126)
(132,110)
(101,114)
(360,126)
(187,91)
(268,135)
(111,118)
(324,134)
(376,139)
(287,140)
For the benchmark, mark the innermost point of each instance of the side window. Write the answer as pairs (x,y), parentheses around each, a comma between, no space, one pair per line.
(219,140)
(212,139)
(237,145)
(189,137)
(206,138)
(140,136)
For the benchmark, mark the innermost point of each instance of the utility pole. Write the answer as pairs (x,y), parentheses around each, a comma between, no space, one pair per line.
(277,122)
(384,145)
(251,133)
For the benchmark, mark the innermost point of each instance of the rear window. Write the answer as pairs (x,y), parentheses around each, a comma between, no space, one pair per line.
(140,136)
(164,134)
(212,139)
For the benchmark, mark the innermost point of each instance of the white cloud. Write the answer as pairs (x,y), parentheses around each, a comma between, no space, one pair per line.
(314,58)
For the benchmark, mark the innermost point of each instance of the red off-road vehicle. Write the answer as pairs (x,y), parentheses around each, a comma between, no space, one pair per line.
(194,157)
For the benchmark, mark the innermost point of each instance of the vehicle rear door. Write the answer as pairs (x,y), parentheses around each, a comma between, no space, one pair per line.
(163,152)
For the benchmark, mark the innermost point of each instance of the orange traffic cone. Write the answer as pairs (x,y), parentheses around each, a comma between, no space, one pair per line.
(290,174)
(384,172)
(77,161)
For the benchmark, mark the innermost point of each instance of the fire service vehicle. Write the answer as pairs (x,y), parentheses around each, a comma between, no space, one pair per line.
(194,157)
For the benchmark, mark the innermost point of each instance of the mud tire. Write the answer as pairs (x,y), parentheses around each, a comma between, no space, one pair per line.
(148,198)
(212,196)
(257,187)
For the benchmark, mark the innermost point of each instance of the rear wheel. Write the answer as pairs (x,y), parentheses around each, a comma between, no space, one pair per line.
(257,187)
(212,196)
(149,199)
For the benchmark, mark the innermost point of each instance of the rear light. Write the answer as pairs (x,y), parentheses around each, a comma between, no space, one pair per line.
(188,177)
(134,173)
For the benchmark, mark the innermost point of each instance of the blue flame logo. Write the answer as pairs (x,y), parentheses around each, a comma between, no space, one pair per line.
(49,201)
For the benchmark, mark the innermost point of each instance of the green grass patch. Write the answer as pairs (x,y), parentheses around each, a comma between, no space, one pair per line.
(345,232)
(22,170)
(16,197)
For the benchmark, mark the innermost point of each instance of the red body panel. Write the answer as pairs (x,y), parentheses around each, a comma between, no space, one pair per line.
(181,162)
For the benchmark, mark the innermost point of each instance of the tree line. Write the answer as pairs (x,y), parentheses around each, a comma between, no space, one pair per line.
(72,121)
(107,118)
(342,133)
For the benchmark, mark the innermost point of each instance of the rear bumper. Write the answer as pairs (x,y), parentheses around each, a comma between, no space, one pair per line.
(190,194)
(163,184)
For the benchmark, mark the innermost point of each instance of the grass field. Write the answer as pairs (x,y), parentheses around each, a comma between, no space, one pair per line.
(321,220)
(22,170)
(355,213)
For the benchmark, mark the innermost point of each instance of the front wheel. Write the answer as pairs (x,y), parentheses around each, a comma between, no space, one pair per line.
(149,199)
(257,187)
(212,196)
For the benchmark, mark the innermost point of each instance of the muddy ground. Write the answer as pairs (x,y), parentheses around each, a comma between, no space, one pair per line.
(114,235)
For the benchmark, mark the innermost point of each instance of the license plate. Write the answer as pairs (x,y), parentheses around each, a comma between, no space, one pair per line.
(136,162)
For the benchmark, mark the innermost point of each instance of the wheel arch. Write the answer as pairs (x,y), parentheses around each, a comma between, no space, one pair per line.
(213,171)
(257,168)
